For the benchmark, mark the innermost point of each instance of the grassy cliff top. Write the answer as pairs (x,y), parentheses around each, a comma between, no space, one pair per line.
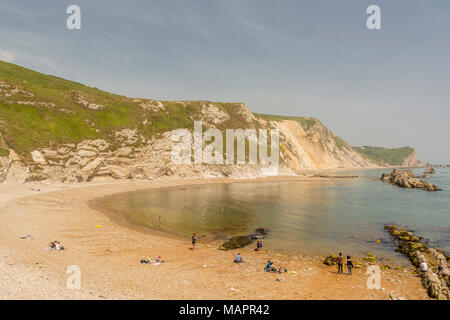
(306,122)
(39,110)
(383,156)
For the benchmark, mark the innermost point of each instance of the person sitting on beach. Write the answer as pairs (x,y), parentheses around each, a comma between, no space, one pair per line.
(268,266)
(349,265)
(238,258)
(423,267)
(146,261)
(281,269)
(440,266)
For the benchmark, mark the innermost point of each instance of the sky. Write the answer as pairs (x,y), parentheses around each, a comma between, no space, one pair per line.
(387,87)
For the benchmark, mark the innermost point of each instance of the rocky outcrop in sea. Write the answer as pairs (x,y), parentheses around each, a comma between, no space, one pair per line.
(406,179)
(429,170)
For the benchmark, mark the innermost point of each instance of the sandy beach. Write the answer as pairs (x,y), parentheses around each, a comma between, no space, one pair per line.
(108,256)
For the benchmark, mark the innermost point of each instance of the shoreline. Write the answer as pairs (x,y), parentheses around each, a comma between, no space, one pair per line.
(96,203)
(109,256)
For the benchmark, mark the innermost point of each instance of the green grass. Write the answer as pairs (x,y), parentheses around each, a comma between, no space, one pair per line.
(383,156)
(27,127)
(304,121)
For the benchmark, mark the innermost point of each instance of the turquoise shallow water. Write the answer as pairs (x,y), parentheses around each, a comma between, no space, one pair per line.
(306,217)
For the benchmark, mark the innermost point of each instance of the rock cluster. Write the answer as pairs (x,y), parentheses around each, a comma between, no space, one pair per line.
(331,260)
(242,241)
(429,170)
(236,243)
(406,179)
(437,285)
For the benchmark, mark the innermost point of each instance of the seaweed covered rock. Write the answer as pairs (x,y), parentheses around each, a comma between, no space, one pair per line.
(371,258)
(331,260)
(236,243)
(437,285)
(242,241)
(406,179)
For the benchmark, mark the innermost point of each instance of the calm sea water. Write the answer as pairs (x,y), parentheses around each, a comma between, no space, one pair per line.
(303,217)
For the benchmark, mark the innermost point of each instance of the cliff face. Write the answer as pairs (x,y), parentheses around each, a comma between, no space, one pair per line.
(307,144)
(411,160)
(54,129)
(130,155)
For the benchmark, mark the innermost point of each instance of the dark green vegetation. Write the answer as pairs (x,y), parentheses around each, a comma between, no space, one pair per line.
(38,110)
(385,156)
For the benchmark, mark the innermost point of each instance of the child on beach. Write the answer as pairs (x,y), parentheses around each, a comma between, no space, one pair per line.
(349,265)
(258,245)
(340,264)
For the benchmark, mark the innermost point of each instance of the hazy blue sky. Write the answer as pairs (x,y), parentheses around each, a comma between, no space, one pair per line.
(388,87)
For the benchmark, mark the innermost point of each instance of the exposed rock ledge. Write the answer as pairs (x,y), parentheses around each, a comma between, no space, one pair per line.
(406,179)
(437,285)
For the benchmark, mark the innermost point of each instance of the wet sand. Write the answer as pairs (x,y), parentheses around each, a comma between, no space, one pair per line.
(108,257)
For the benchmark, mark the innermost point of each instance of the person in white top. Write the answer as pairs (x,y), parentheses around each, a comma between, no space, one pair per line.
(423,266)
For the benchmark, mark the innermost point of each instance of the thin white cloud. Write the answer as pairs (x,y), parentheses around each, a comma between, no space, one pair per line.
(6,55)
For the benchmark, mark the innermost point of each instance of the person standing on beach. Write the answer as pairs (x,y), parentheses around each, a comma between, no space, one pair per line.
(423,267)
(194,241)
(440,266)
(349,265)
(340,264)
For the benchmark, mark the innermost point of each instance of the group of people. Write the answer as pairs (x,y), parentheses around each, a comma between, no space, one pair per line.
(149,260)
(271,268)
(258,245)
(424,266)
(340,264)
(55,245)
